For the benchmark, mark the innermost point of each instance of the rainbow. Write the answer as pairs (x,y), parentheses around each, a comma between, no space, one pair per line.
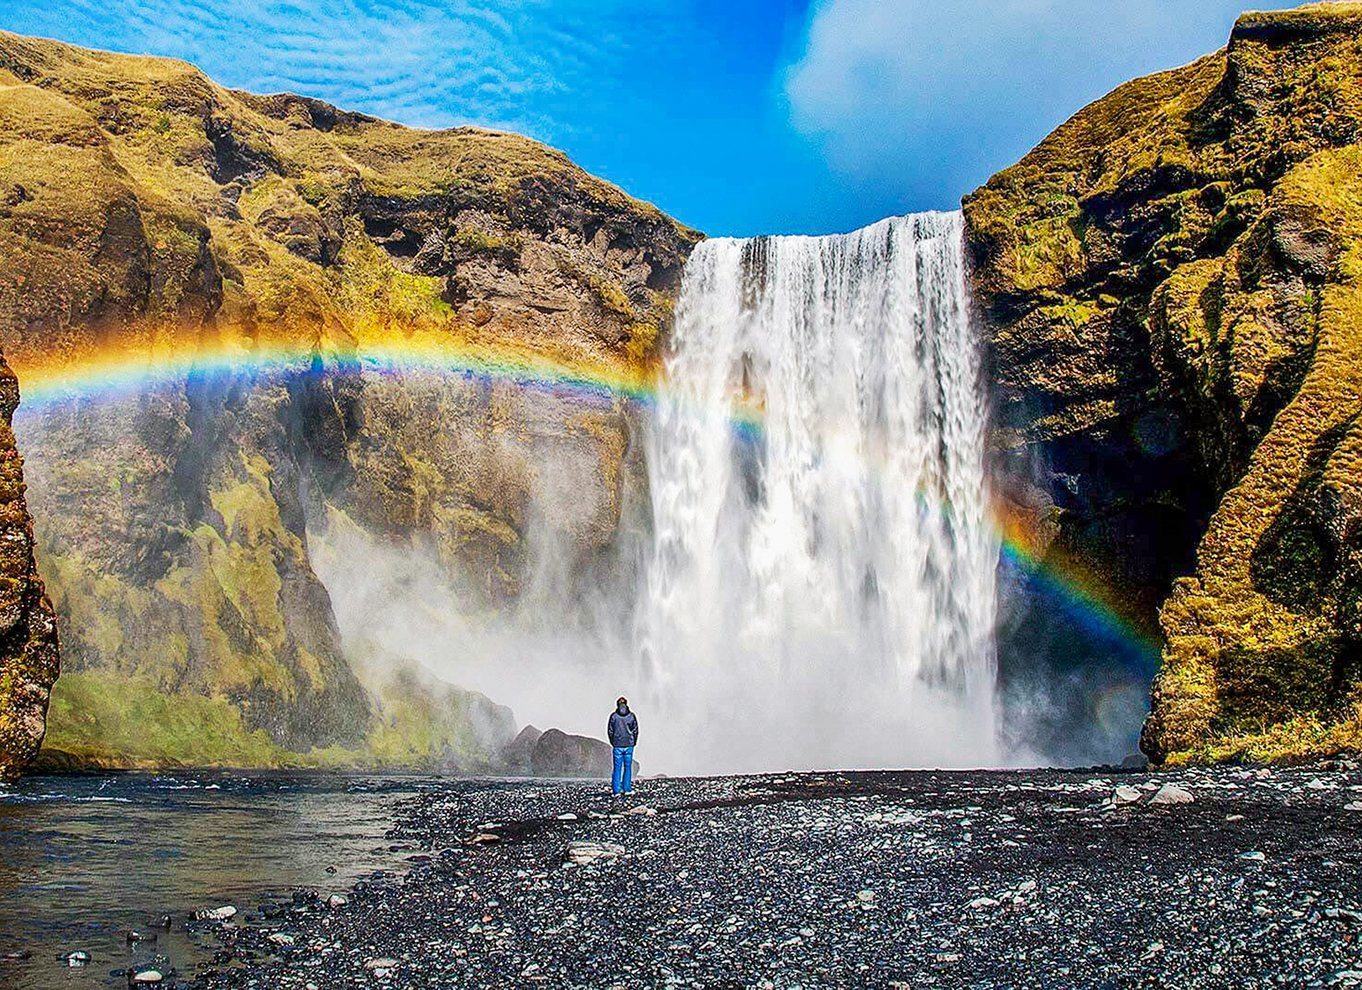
(50,385)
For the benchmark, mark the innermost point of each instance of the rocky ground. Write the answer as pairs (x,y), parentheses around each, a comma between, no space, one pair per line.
(1201,878)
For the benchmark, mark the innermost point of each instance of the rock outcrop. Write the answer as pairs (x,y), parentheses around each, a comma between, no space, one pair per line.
(28,628)
(1171,287)
(225,268)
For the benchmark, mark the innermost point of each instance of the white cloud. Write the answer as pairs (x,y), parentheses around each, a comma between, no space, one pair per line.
(431,63)
(966,86)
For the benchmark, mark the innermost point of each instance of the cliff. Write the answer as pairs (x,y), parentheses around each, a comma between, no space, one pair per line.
(212,273)
(28,628)
(1170,284)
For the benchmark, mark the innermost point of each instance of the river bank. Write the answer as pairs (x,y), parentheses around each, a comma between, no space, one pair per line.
(86,859)
(908,879)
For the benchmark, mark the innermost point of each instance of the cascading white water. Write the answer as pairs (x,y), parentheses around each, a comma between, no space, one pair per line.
(821,589)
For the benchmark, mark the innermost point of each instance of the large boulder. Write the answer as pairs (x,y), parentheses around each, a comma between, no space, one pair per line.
(558,754)
(517,755)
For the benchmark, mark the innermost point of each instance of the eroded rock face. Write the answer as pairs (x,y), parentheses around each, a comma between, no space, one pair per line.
(147,214)
(28,628)
(1170,287)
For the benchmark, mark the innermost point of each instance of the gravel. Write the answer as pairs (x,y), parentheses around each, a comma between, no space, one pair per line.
(894,879)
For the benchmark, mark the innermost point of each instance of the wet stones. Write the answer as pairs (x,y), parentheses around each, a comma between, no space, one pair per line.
(224,913)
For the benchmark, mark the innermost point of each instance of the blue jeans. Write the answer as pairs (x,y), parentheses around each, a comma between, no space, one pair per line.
(622,781)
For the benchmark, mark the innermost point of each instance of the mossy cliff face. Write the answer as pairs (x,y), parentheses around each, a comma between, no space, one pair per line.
(28,628)
(1171,287)
(146,211)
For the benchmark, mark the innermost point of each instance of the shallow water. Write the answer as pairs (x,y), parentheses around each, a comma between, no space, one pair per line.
(85,858)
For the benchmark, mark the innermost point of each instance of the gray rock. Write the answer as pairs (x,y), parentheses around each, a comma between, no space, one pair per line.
(223,913)
(516,754)
(1172,794)
(1125,794)
(557,754)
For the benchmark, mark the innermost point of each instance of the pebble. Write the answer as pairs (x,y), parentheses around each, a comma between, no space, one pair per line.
(77,958)
(1172,794)
(811,881)
(567,816)
(582,852)
(1353,806)
(1125,794)
(147,977)
(224,913)
(482,839)
(337,900)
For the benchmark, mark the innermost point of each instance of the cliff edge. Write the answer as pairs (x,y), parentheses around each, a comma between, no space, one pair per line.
(1170,284)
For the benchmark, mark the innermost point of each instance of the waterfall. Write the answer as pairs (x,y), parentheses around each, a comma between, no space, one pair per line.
(821,585)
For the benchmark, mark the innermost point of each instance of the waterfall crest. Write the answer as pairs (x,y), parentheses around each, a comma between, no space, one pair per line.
(821,583)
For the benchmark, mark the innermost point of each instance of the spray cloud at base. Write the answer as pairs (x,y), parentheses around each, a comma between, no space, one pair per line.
(821,592)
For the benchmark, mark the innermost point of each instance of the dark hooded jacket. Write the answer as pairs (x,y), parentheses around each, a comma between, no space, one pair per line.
(623,729)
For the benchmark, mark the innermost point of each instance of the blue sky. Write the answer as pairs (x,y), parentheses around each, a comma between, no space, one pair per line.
(735,116)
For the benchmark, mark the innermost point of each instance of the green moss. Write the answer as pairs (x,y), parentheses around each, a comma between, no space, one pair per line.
(117,721)
(612,299)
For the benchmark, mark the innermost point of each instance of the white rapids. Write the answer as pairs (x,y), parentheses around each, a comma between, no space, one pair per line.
(820,588)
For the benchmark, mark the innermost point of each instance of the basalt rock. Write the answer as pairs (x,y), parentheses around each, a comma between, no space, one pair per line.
(517,755)
(258,252)
(1170,284)
(28,628)
(558,754)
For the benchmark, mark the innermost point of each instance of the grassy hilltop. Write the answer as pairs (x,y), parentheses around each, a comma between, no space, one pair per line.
(146,211)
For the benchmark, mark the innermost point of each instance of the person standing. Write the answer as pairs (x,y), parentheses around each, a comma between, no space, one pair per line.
(623,736)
